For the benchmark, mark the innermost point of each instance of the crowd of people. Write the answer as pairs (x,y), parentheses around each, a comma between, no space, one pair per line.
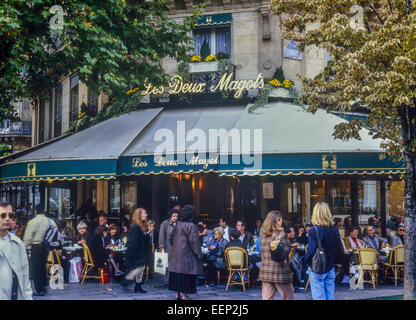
(195,253)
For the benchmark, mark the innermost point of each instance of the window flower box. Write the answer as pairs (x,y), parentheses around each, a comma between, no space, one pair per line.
(201,67)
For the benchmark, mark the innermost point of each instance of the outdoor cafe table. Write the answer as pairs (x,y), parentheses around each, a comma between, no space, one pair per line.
(70,249)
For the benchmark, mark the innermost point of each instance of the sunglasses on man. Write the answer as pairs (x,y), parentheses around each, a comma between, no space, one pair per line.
(401,230)
(11,215)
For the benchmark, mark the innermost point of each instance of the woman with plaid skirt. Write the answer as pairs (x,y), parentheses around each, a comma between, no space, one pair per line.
(274,275)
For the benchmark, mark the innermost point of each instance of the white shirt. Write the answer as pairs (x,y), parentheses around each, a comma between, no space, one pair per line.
(242,237)
(226,236)
(6,273)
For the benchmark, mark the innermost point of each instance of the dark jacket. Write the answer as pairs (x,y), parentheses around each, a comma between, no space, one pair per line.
(98,252)
(117,238)
(302,239)
(331,243)
(138,247)
(86,236)
(248,239)
(185,255)
(219,250)
(235,243)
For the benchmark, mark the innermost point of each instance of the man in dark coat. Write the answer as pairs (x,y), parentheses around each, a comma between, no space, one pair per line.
(225,224)
(246,237)
(185,257)
(97,247)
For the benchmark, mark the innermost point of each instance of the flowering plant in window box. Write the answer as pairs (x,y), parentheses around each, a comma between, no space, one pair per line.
(277,84)
(210,58)
(196,58)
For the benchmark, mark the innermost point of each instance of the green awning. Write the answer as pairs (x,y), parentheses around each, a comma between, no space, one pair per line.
(89,154)
(214,20)
(267,164)
(59,170)
(314,164)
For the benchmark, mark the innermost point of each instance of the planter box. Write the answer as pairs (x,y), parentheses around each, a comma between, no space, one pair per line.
(280,93)
(201,67)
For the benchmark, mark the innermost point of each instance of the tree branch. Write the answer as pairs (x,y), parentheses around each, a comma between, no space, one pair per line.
(390,8)
(409,5)
(375,12)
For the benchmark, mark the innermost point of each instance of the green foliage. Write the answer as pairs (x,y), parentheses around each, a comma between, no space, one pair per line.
(112,44)
(222,55)
(5,150)
(205,50)
(225,67)
(262,98)
(184,70)
(279,74)
(373,64)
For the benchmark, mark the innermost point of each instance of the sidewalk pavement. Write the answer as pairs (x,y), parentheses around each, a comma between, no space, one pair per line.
(92,290)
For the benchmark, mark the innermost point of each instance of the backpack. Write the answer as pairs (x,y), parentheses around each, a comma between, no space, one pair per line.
(277,250)
(50,240)
(319,258)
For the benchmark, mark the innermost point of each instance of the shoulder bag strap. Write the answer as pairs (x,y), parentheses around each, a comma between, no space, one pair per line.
(319,238)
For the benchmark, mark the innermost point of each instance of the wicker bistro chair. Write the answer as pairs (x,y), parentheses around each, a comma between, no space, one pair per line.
(88,265)
(236,259)
(53,258)
(396,263)
(367,262)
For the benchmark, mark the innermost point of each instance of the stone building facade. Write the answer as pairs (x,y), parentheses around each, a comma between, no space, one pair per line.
(256,47)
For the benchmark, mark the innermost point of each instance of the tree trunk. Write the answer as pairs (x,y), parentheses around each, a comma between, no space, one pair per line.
(410,230)
(408,120)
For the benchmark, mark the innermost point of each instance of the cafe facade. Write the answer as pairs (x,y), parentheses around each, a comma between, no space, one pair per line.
(226,156)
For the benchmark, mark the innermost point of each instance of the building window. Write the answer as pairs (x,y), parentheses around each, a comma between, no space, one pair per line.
(369,198)
(92,102)
(41,131)
(114,187)
(58,112)
(73,103)
(212,40)
(60,202)
(129,197)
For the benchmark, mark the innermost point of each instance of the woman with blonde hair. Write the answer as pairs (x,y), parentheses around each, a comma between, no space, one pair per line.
(138,247)
(326,234)
(274,275)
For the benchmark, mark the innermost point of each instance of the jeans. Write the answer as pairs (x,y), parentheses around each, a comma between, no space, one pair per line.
(322,285)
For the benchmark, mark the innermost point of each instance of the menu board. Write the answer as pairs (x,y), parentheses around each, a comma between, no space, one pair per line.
(268,190)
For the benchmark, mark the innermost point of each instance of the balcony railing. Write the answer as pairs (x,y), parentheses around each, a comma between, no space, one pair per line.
(17,128)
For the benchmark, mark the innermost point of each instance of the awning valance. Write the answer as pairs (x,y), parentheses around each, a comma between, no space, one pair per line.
(266,164)
(214,20)
(59,170)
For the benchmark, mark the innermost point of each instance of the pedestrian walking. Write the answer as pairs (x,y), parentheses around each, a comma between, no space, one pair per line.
(33,238)
(185,255)
(275,275)
(14,266)
(164,233)
(325,235)
(138,247)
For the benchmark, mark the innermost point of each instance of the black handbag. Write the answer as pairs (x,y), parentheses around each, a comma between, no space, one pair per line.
(319,258)
(277,251)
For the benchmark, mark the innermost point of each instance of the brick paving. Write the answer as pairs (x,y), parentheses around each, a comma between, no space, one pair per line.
(92,290)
